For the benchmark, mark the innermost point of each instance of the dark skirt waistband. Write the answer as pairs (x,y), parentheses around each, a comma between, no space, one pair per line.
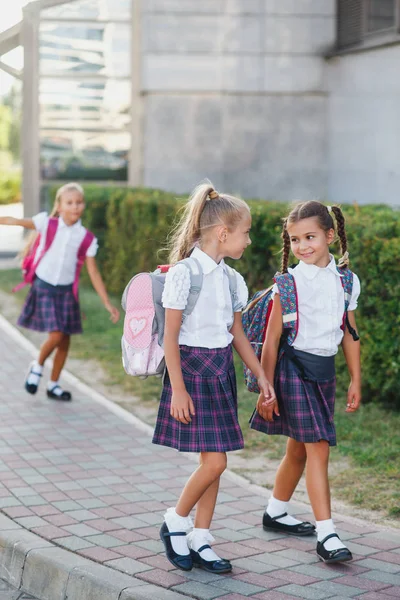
(44,285)
(311,366)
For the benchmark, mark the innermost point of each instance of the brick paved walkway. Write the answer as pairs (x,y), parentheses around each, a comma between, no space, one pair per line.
(85,479)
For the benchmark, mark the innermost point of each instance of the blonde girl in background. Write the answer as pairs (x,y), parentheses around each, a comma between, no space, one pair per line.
(52,305)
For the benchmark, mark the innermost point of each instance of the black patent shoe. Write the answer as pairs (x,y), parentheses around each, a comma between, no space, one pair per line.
(271,523)
(213,566)
(184,562)
(333,556)
(31,388)
(64,396)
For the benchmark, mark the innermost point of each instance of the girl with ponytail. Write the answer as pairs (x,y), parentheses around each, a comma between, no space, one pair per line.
(198,408)
(304,370)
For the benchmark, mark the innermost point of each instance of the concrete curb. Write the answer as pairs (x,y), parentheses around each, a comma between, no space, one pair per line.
(37,567)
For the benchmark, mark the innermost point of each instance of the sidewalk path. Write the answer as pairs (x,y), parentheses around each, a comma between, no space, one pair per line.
(83,492)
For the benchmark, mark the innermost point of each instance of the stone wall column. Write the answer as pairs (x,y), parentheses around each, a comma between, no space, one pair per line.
(30,119)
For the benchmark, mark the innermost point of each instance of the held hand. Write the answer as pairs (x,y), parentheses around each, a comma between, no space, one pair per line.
(266,408)
(182,407)
(114,313)
(353,397)
(267,390)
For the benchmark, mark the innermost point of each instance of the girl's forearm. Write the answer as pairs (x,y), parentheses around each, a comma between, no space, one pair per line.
(351,351)
(27,223)
(100,288)
(173,362)
(246,353)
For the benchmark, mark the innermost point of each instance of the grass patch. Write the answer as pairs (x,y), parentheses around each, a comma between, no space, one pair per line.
(368,440)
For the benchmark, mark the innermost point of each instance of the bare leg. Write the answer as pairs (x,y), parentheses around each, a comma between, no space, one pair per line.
(60,357)
(54,340)
(212,465)
(290,470)
(317,479)
(206,506)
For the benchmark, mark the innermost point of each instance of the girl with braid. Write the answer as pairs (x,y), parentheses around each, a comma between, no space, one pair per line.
(304,370)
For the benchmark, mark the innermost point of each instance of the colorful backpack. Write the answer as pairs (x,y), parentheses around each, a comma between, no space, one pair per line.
(256,315)
(30,263)
(143,333)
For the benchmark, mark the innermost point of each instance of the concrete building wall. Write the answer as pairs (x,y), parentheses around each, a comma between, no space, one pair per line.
(364,126)
(234,90)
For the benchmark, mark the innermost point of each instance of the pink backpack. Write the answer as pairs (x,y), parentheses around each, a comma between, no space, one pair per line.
(143,335)
(29,264)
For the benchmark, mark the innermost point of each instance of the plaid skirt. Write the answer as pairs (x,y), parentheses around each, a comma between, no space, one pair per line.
(51,308)
(306,407)
(209,376)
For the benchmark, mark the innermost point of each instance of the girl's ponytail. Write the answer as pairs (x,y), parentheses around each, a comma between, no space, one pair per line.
(187,232)
(341,231)
(285,248)
(205,209)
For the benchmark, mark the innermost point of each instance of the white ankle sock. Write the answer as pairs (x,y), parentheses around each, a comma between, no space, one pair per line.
(278,507)
(198,538)
(325,528)
(177,523)
(51,385)
(36,371)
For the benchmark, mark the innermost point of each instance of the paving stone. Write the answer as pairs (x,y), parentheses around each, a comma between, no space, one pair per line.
(381,576)
(149,592)
(73,543)
(306,592)
(297,556)
(97,582)
(335,588)
(199,590)
(314,571)
(252,564)
(104,540)
(361,583)
(371,563)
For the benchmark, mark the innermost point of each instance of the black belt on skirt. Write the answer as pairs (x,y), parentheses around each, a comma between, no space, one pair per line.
(43,285)
(311,366)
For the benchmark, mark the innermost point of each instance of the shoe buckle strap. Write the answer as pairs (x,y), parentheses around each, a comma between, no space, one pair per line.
(173,533)
(328,537)
(279,516)
(205,547)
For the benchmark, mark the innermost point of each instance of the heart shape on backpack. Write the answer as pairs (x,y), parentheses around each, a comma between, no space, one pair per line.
(137,326)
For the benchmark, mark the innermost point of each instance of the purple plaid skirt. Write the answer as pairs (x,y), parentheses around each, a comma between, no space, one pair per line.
(209,376)
(51,308)
(306,407)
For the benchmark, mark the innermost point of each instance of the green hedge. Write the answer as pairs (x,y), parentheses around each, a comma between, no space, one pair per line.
(10,188)
(133,225)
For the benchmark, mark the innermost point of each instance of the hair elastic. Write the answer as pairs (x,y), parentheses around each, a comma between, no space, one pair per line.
(329,209)
(213,195)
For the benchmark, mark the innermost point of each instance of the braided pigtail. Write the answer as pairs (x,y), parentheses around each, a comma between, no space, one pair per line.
(285,248)
(341,231)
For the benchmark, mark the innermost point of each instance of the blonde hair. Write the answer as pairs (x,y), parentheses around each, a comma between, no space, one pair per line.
(205,209)
(67,187)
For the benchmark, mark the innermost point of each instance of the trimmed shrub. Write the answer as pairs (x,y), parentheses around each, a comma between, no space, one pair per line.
(133,225)
(10,188)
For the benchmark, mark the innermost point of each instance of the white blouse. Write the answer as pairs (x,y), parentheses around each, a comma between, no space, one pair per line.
(58,265)
(320,307)
(212,318)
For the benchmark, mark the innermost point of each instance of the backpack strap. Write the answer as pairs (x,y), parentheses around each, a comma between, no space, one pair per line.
(83,248)
(232,285)
(346,279)
(288,297)
(196,283)
(30,272)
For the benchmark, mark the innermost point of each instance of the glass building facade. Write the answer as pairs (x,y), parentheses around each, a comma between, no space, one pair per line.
(85,90)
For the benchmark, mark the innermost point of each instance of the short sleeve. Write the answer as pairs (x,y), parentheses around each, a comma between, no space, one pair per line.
(176,288)
(41,221)
(92,250)
(242,293)
(275,290)
(355,293)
